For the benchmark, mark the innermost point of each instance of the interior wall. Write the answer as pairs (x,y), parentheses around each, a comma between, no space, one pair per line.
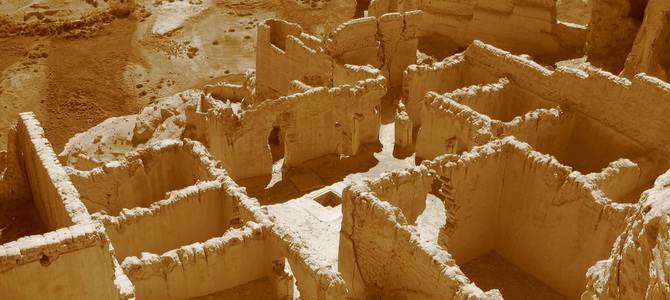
(236,258)
(406,190)
(592,92)
(374,241)
(476,188)
(442,77)
(170,223)
(139,180)
(548,222)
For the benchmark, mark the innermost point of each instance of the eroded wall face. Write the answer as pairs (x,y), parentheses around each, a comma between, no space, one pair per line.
(201,269)
(168,226)
(516,26)
(541,219)
(374,244)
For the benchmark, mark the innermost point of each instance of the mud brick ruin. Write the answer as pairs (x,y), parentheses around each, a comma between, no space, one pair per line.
(423,150)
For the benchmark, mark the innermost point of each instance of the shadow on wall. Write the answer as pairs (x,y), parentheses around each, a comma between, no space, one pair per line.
(361,7)
(329,169)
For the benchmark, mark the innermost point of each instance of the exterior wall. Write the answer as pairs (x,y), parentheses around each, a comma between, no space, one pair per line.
(56,198)
(69,263)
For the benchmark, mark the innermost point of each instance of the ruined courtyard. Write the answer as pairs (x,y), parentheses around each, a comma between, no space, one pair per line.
(335,149)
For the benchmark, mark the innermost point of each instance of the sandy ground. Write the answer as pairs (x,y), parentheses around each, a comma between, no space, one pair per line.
(260,289)
(491,271)
(84,62)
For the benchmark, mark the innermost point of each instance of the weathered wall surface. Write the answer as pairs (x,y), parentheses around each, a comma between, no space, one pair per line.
(69,263)
(170,223)
(528,27)
(200,269)
(594,93)
(317,122)
(636,267)
(611,34)
(374,243)
(546,220)
(56,198)
(650,52)
(143,177)
(285,53)
(442,77)
(14,184)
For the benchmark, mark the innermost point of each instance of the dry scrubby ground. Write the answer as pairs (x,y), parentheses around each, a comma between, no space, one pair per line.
(77,63)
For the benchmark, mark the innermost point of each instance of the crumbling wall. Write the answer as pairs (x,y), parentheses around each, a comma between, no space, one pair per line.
(623,180)
(143,177)
(594,93)
(649,53)
(471,116)
(199,269)
(446,76)
(636,267)
(611,34)
(69,263)
(56,198)
(170,223)
(406,190)
(518,26)
(317,122)
(387,43)
(548,221)
(380,7)
(375,242)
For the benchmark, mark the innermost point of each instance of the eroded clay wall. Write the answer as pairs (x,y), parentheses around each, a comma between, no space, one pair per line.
(594,93)
(200,269)
(549,222)
(69,263)
(518,26)
(143,177)
(56,198)
(406,190)
(317,122)
(14,184)
(375,241)
(388,43)
(190,215)
(442,77)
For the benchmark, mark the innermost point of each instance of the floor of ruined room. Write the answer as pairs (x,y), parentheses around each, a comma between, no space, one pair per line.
(20,220)
(257,289)
(492,271)
(319,226)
